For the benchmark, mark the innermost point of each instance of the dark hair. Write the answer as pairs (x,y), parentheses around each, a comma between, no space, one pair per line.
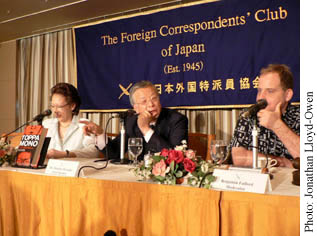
(286,76)
(70,93)
(138,85)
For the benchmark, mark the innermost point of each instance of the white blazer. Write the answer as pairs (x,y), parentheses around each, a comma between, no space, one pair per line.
(74,140)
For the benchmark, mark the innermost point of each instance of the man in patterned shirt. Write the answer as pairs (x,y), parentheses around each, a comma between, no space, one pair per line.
(278,123)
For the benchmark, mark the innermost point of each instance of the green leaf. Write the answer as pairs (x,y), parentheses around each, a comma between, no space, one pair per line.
(200,173)
(211,178)
(159,178)
(173,180)
(172,165)
(158,158)
(194,173)
(176,166)
(179,174)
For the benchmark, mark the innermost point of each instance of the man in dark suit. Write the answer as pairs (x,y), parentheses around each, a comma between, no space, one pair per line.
(159,127)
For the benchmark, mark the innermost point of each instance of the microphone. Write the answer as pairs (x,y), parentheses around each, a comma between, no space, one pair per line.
(128,113)
(254,109)
(37,118)
(40,116)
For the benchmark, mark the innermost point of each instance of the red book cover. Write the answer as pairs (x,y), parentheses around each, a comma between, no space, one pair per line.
(29,150)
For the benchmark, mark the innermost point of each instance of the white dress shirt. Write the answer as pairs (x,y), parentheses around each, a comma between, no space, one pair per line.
(74,141)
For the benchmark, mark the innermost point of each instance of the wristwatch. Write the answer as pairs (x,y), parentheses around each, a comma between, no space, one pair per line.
(67,153)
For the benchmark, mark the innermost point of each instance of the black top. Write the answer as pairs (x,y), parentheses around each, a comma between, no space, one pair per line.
(170,129)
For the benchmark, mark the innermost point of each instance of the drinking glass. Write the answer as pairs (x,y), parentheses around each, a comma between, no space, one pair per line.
(219,151)
(135,147)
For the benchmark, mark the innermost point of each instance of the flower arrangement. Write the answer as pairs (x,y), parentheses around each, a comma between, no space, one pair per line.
(7,153)
(172,166)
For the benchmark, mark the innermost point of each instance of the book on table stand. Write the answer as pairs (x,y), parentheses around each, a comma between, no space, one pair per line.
(33,146)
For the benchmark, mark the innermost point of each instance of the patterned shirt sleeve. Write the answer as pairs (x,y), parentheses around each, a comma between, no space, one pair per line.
(268,142)
(242,136)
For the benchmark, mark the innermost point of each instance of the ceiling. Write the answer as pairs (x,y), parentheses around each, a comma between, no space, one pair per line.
(20,19)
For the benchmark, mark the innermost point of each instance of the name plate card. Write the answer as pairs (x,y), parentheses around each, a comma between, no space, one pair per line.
(62,167)
(243,180)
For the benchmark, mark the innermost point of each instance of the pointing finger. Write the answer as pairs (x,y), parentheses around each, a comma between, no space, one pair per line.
(86,122)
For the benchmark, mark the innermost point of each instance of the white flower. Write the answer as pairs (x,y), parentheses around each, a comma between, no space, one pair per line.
(204,167)
(147,174)
(148,161)
(184,144)
(194,182)
(179,148)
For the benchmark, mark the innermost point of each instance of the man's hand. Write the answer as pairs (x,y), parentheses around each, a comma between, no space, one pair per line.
(144,120)
(270,119)
(91,128)
(243,157)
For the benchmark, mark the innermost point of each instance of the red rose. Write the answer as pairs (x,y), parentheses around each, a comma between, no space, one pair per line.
(2,153)
(176,156)
(189,165)
(164,152)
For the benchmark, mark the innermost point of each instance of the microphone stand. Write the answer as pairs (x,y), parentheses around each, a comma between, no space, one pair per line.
(122,161)
(39,120)
(122,141)
(255,145)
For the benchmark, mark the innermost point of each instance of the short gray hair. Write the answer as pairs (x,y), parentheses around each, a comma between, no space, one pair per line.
(138,85)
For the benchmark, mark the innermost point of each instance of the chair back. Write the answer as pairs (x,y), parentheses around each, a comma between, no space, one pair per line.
(201,144)
(112,135)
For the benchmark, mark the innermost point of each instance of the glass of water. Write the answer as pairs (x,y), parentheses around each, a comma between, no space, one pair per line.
(219,151)
(135,147)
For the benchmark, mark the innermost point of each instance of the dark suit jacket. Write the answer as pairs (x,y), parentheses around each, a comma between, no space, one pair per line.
(170,129)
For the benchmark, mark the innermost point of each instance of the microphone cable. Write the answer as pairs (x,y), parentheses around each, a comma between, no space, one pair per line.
(204,177)
(106,154)
(93,167)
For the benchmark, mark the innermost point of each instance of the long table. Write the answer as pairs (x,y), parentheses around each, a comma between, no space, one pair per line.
(32,203)
(275,213)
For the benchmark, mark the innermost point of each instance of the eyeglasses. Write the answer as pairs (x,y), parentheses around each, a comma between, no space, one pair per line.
(58,107)
(154,100)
